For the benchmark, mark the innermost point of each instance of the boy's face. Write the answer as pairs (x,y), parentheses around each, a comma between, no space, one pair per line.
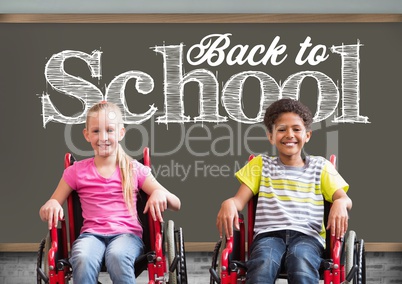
(289,136)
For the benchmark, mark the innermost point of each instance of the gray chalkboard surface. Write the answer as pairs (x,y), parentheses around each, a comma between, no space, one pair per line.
(194,93)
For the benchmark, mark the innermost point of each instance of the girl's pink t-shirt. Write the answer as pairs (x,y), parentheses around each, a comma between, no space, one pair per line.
(103,207)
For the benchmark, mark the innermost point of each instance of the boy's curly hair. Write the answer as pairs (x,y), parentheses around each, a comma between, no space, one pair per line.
(287,105)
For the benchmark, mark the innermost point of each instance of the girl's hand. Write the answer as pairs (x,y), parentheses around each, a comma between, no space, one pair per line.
(156,204)
(227,216)
(51,212)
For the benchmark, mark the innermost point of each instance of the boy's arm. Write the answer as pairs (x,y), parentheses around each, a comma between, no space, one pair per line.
(228,214)
(338,215)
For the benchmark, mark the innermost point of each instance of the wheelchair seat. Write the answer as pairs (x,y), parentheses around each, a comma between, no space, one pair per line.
(53,265)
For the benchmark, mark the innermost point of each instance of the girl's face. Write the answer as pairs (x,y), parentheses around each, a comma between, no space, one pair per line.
(289,136)
(104,131)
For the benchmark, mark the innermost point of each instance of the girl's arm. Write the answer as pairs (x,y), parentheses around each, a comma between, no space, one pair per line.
(159,198)
(52,210)
(338,215)
(228,214)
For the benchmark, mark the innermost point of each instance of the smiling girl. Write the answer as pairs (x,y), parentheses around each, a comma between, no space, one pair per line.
(107,185)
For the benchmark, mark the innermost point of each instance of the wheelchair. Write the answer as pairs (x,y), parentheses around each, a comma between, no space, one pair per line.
(164,253)
(343,261)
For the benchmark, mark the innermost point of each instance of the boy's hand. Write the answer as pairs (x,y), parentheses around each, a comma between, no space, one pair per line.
(338,218)
(338,215)
(227,216)
(51,212)
(156,204)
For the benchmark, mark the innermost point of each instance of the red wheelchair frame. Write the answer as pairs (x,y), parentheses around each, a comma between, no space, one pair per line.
(57,269)
(346,261)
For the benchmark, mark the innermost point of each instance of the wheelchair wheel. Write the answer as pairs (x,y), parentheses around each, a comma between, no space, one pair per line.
(355,255)
(215,259)
(350,252)
(361,263)
(176,255)
(223,246)
(182,257)
(42,266)
(171,251)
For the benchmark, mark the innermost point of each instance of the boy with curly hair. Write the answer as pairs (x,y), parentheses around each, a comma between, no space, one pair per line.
(288,229)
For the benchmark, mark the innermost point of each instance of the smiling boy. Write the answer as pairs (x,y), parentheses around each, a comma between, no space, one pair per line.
(291,189)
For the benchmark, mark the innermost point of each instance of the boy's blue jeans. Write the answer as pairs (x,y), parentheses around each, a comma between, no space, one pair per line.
(301,255)
(120,252)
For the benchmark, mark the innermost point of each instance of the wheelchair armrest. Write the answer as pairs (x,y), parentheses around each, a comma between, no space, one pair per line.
(56,252)
(336,249)
(226,252)
(156,236)
(53,248)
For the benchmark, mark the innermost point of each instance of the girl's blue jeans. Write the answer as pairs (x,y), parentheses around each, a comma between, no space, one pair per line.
(300,254)
(119,251)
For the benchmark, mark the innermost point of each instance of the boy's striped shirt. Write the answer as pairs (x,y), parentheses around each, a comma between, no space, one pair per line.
(291,198)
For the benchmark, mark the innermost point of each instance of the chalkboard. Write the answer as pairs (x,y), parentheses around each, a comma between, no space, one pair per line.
(194,89)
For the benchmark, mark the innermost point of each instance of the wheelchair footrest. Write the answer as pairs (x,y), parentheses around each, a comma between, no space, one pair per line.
(62,263)
(235,265)
(327,264)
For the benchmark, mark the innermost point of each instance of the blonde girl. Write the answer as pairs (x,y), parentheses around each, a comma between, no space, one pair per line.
(107,185)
